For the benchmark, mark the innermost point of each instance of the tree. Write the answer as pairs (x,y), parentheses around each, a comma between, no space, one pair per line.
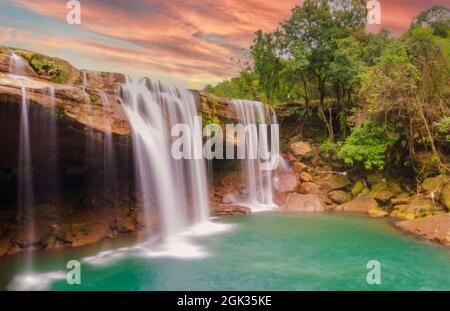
(399,88)
(311,37)
(437,17)
(267,63)
(345,75)
(367,145)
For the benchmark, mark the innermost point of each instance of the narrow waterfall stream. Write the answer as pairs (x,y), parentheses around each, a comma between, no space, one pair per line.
(109,157)
(260,147)
(25,181)
(47,127)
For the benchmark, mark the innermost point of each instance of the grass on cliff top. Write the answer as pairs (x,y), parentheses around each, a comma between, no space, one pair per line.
(55,69)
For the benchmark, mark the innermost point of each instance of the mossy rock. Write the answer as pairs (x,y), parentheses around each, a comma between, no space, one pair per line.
(417,208)
(394,186)
(377,213)
(362,203)
(402,198)
(445,196)
(381,192)
(404,214)
(433,184)
(340,197)
(358,187)
(55,69)
(375,178)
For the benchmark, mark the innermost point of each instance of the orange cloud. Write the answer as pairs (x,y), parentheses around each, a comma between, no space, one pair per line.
(189,40)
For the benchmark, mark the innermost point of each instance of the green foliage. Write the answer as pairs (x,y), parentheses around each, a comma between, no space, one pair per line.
(242,87)
(392,81)
(427,53)
(51,67)
(267,63)
(329,149)
(93,98)
(437,18)
(209,119)
(443,130)
(367,146)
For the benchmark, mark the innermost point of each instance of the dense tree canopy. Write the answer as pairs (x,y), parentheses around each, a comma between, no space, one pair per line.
(391,91)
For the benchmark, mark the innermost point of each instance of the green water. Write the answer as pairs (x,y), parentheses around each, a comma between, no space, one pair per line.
(267,251)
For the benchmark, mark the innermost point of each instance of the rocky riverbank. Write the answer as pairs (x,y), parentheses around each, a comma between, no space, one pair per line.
(315,184)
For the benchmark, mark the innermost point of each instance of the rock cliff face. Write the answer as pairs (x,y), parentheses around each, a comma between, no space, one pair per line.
(86,97)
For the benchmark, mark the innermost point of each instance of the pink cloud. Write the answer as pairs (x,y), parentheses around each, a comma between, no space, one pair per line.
(192,39)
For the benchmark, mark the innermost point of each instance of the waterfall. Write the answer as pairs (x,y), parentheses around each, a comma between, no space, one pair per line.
(17,65)
(109,158)
(17,69)
(25,166)
(46,126)
(259,187)
(178,188)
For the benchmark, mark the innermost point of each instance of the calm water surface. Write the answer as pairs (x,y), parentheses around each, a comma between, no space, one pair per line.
(267,251)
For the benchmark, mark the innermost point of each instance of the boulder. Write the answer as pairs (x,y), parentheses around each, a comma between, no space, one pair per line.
(308,187)
(296,202)
(334,182)
(377,213)
(361,203)
(339,196)
(394,186)
(381,192)
(358,187)
(445,196)
(417,208)
(299,167)
(286,182)
(305,177)
(433,184)
(402,198)
(384,196)
(433,228)
(289,157)
(300,149)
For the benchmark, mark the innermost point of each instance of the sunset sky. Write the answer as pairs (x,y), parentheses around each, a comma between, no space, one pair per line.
(188,42)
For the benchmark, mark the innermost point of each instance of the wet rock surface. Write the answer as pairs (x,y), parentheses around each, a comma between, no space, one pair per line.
(433,228)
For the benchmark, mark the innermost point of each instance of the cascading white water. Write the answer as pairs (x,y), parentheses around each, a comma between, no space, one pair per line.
(17,65)
(259,196)
(25,165)
(177,187)
(109,158)
(46,126)
(25,186)
(17,69)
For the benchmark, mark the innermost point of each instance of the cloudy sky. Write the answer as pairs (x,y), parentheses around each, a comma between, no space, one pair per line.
(189,42)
